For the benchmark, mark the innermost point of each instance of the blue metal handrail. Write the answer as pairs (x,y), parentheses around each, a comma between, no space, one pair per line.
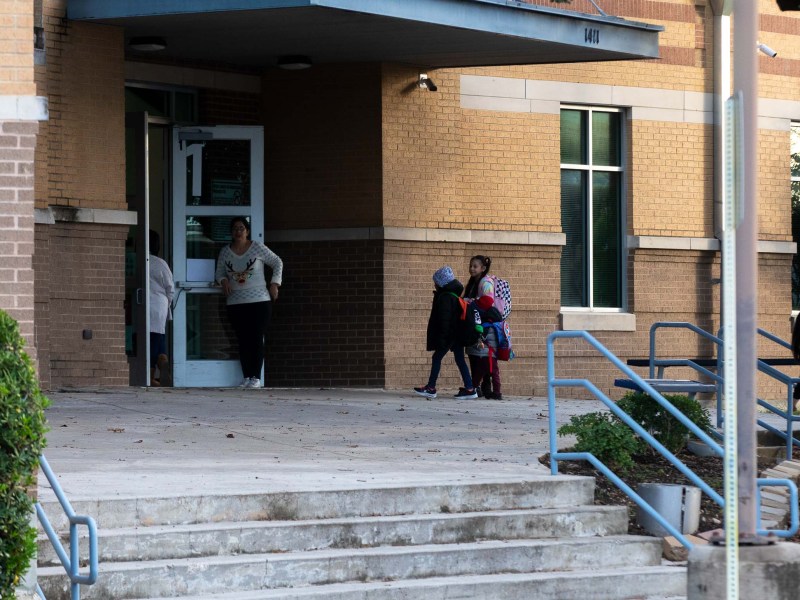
(70,563)
(553,382)
(762,366)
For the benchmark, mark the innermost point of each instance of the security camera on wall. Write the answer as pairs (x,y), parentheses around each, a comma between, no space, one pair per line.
(767,50)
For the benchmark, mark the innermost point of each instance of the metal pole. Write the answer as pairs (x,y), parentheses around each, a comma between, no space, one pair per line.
(745,80)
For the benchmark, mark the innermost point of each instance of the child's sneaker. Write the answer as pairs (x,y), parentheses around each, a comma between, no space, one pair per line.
(426,391)
(465,394)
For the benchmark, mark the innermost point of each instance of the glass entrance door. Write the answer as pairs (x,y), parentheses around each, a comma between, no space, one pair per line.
(217,174)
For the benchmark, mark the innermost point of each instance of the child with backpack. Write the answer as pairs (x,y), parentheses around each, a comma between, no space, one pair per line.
(481,284)
(447,332)
(483,356)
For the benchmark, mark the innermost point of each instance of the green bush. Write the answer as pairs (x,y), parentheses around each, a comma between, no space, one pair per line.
(604,436)
(661,424)
(22,429)
(615,444)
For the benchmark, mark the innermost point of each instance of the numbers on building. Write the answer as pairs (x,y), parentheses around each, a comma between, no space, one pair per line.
(591,35)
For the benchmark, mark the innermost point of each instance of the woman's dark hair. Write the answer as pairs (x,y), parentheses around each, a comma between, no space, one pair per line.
(155,243)
(243,221)
(471,289)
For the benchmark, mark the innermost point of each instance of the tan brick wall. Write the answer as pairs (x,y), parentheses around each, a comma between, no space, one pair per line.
(16,48)
(671,183)
(17,140)
(448,168)
(80,286)
(774,199)
(82,146)
(322,147)
(534,275)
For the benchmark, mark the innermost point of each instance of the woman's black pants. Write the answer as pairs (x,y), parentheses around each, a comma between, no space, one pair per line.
(249,323)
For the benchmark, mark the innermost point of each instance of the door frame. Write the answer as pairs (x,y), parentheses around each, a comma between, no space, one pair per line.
(207,373)
(139,363)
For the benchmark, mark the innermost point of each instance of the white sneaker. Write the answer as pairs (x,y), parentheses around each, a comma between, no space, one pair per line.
(245,383)
(253,383)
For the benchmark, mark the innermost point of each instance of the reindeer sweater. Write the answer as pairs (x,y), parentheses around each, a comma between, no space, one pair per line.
(245,273)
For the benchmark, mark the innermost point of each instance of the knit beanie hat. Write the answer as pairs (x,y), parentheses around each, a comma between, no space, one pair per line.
(443,276)
(485,302)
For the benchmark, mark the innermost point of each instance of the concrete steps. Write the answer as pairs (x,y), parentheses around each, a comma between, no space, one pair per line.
(537,538)
(598,585)
(260,537)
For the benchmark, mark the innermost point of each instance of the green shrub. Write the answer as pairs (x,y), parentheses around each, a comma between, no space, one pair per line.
(22,429)
(661,424)
(615,444)
(605,436)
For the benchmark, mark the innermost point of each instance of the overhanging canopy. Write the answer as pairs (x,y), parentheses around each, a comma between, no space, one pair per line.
(425,33)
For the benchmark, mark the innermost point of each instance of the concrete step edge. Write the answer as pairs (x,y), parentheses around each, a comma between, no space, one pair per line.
(669,579)
(220,574)
(256,537)
(535,491)
(199,563)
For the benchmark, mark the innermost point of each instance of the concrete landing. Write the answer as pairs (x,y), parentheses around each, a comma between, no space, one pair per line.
(134,442)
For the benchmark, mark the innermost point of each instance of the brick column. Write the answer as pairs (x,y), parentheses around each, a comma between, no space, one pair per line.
(17,142)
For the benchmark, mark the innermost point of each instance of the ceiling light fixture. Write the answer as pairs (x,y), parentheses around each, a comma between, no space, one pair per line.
(147,43)
(294,62)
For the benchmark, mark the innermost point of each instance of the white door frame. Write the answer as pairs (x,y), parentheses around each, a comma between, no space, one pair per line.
(188,141)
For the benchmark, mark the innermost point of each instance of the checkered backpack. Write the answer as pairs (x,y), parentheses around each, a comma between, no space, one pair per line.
(502,295)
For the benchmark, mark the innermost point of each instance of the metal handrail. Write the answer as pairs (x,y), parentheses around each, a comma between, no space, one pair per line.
(70,563)
(555,455)
(762,366)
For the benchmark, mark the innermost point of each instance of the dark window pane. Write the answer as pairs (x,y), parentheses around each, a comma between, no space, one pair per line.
(605,139)
(225,179)
(573,137)
(573,224)
(606,240)
(184,107)
(795,150)
(153,102)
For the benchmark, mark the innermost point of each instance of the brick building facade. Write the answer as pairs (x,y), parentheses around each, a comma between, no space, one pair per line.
(371,183)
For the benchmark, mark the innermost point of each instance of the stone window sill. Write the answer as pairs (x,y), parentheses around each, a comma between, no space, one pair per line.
(597,321)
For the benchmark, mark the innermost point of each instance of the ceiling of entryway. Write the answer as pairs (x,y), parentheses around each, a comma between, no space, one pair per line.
(426,33)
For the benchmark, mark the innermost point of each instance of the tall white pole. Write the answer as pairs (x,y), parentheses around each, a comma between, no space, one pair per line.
(745,82)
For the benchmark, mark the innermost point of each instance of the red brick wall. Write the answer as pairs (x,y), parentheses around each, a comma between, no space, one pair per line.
(322,130)
(327,326)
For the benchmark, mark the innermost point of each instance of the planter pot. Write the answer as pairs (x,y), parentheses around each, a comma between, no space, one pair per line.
(678,504)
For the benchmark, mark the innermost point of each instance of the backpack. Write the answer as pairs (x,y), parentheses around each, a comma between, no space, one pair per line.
(503,333)
(470,328)
(502,295)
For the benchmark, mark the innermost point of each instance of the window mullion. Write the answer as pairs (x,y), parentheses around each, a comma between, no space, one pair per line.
(589,214)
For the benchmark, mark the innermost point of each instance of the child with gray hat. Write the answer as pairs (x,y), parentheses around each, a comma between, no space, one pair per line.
(443,326)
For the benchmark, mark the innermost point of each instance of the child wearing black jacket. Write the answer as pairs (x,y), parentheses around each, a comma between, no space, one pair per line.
(442,335)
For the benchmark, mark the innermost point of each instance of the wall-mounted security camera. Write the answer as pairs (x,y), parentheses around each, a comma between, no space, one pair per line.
(767,50)
(426,83)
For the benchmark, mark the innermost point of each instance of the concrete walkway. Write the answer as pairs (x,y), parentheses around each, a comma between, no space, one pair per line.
(133,442)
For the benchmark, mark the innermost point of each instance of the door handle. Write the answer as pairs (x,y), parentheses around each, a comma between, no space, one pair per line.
(139,296)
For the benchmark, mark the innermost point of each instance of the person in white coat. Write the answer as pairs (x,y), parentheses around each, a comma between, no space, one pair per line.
(162,288)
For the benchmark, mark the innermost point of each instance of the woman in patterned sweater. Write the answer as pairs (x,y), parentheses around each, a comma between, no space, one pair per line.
(240,272)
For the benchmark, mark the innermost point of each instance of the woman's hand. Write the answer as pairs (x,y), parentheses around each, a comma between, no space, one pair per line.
(273,291)
(226,287)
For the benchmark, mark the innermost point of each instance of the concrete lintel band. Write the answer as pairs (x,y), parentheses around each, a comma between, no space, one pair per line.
(69,214)
(412,234)
(23,108)
(653,242)
(506,94)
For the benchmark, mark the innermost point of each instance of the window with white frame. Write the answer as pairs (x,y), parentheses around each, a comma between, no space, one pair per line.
(591,207)
(794,165)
